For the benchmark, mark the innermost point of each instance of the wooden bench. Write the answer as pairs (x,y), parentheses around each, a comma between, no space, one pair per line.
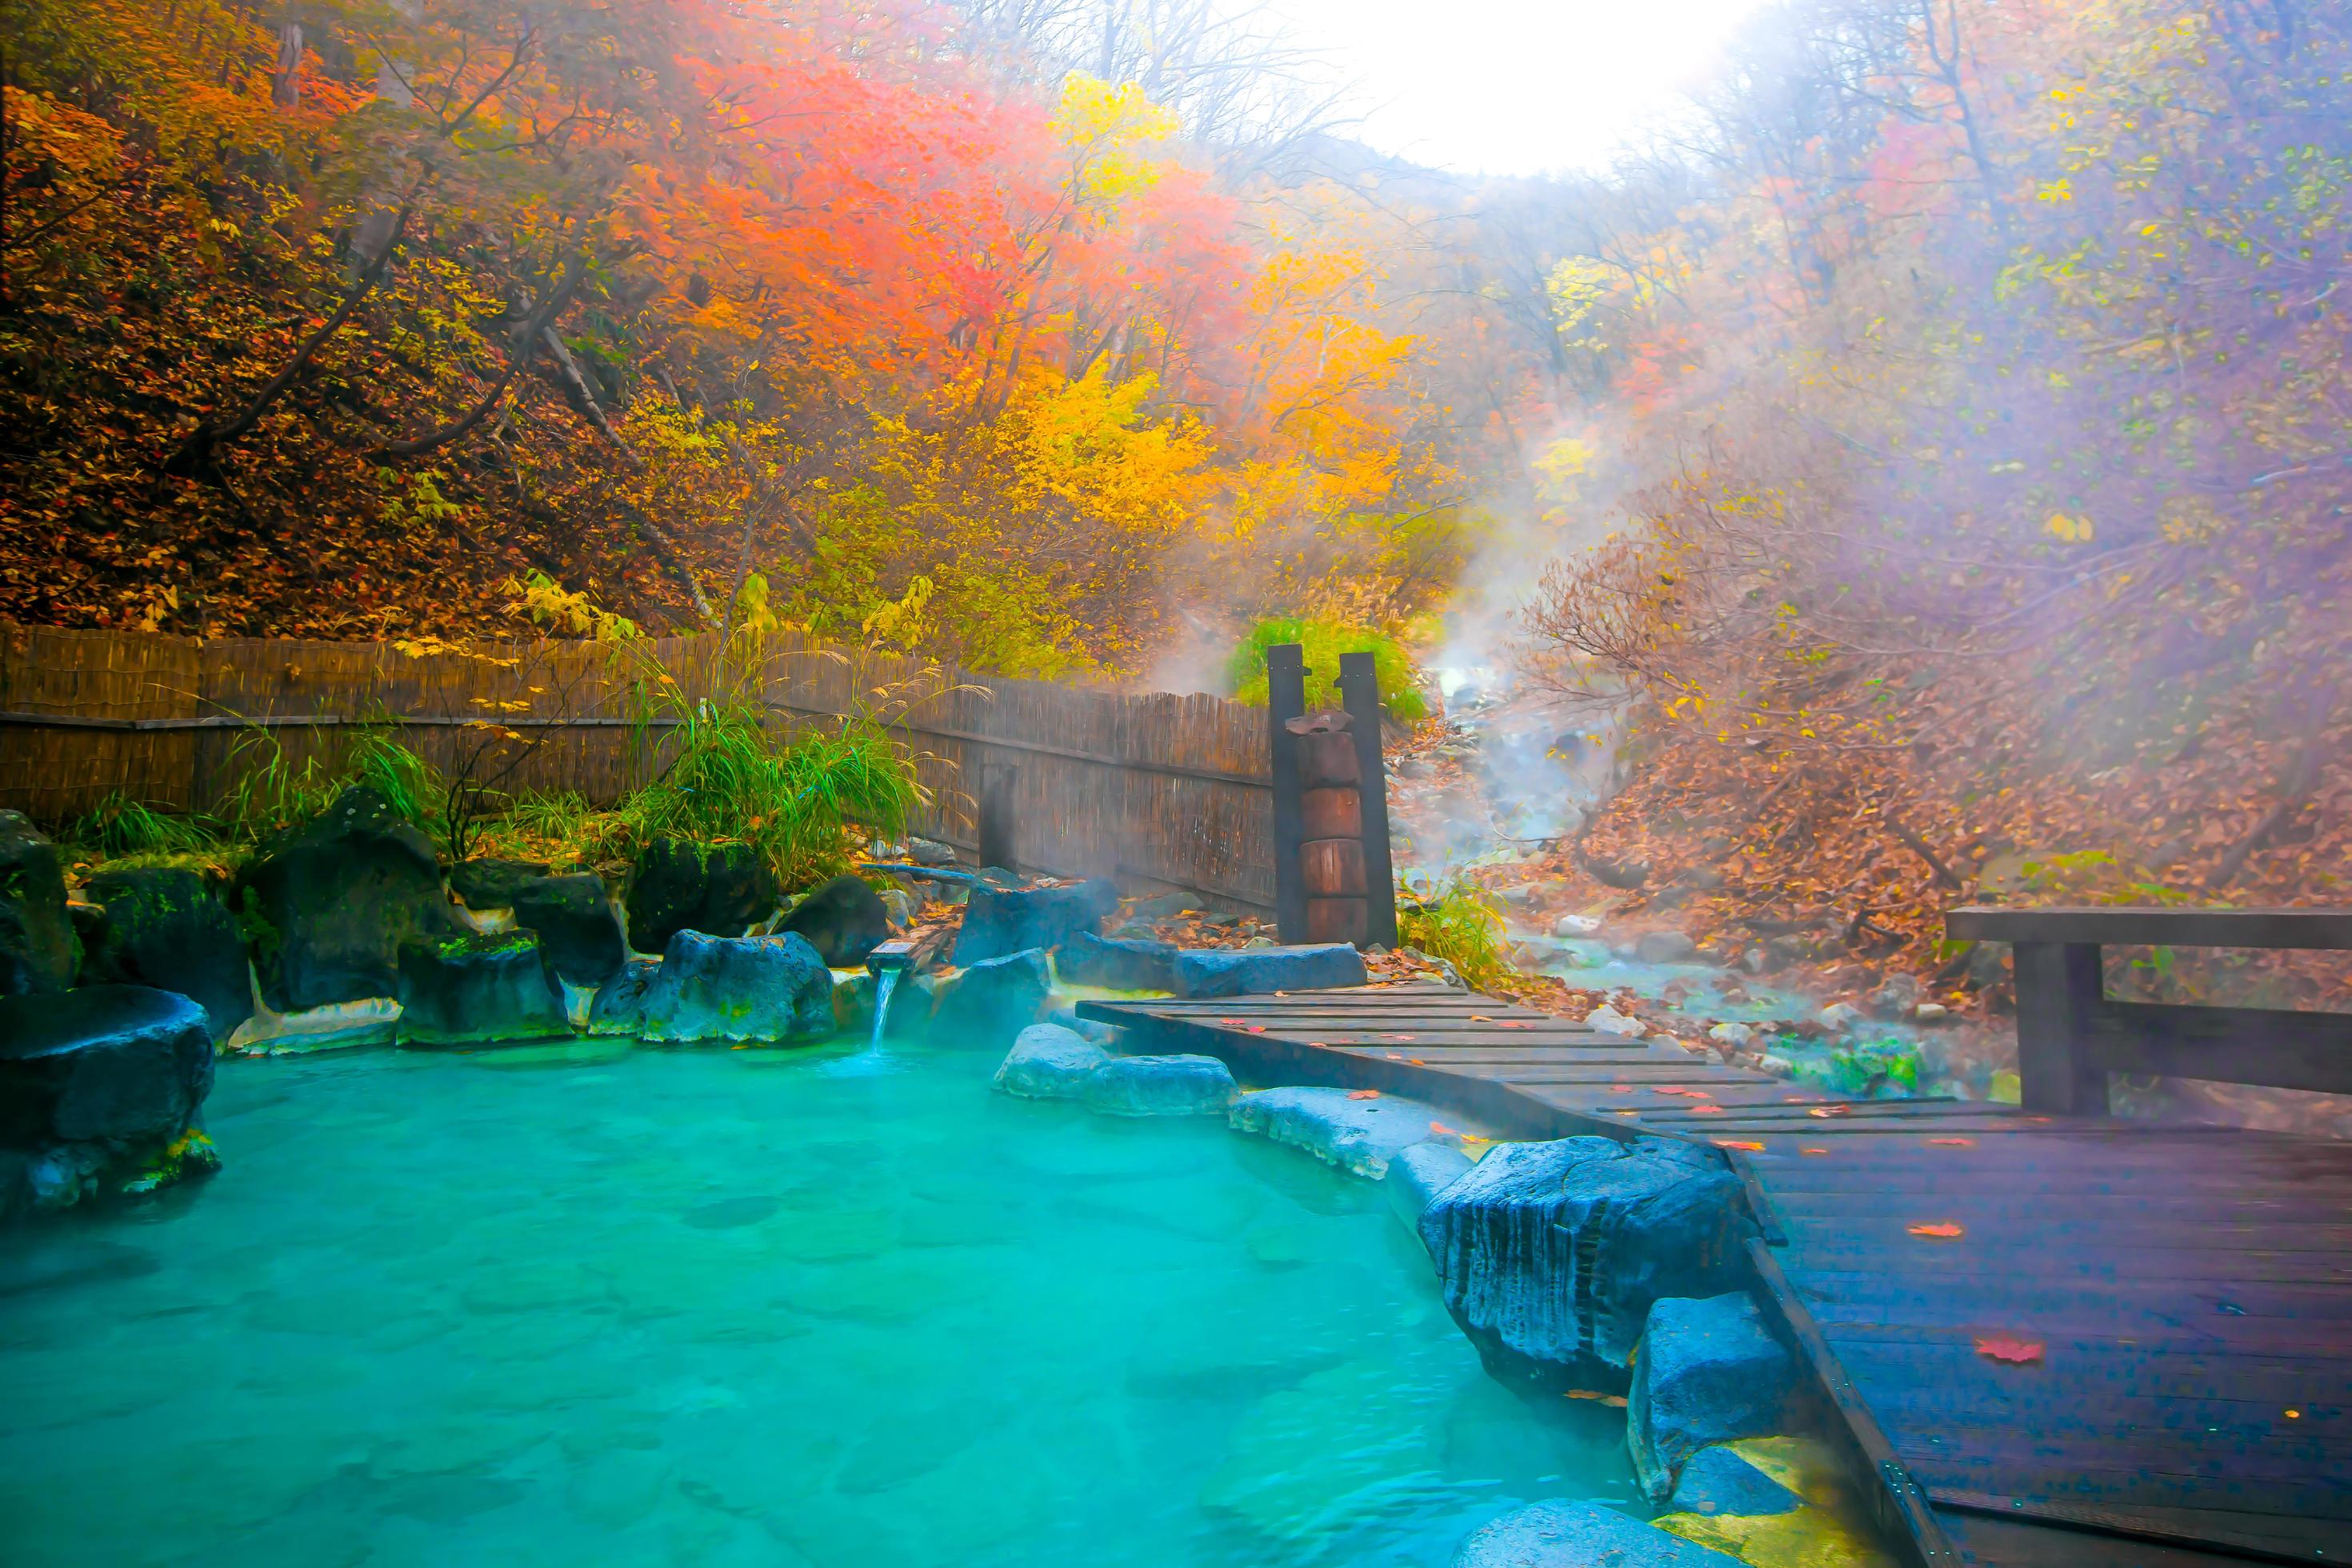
(2071,1034)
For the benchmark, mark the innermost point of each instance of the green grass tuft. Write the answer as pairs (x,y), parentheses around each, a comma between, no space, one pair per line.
(1455,922)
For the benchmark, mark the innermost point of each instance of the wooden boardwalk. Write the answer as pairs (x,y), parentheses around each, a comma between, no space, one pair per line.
(2182,1297)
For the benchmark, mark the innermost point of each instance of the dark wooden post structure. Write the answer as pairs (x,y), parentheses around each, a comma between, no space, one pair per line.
(1360,689)
(2058,989)
(998,845)
(1332,877)
(1286,699)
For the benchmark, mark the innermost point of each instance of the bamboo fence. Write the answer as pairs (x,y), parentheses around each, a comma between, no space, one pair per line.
(1164,793)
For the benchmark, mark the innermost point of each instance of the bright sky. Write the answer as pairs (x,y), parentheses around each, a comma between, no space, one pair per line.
(1512,87)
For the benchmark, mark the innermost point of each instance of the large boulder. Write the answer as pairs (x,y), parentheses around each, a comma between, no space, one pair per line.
(579,934)
(1357,1130)
(37,951)
(96,1084)
(1002,921)
(477,990)
(770,989)
(993,998)
(1049,1062)
(491,884)
(719,889)
(328,905)
(1550,1255)
(1580,1535)
(1117,964)
(844,920)
(1160,1086)
(1418,1174)
(161,927)
(1250,971)
(1708,1371)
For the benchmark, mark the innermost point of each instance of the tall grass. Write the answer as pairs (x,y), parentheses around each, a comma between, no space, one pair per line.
(122,828)
(1455,922)
(1322,642)
(726,774)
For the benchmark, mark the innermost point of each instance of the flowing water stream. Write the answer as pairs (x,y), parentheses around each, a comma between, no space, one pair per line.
(602,1305)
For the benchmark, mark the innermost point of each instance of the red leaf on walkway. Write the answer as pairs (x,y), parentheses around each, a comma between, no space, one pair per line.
(1941,1230)
(2001,1347)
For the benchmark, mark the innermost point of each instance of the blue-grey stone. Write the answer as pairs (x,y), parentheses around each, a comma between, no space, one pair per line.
(120,1066)
(1550,1255)
(329,902)
(1708,1371)
(474,988)
(620,1002)
(1720,1480)
(1117,964)
(1418,1174)
(1160,1086)
(745,988)
(1359,1136)
(993,999)
(162,927)
(1580,1535)
(1249,971)
(1002,921)
(1049,1062)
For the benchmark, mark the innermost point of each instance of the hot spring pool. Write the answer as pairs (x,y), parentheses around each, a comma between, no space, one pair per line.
(745,1307)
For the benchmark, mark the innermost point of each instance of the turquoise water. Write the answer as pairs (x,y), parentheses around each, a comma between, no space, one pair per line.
(744,1307)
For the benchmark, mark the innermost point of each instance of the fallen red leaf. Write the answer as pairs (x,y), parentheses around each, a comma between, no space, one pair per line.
(1826,1112)
(1417,1062)
(2000,1347)
(1363,1094)
(1812,1151)
(1441,1129)
(1942,1230)
(1955,1142)
(1738,1143)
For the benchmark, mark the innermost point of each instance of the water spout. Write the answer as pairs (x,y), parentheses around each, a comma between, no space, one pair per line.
(886,963)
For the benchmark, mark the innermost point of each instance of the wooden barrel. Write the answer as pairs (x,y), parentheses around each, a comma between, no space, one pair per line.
(1332,814)
(1337,920)
(1327,760)
(1333,868)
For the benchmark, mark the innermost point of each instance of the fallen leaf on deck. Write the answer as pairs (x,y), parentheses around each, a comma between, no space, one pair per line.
(1954,1142)
(1738,1143)
(1812,1151)
(1828,1111)
(1363,1094)
(1708,1110)
(1257,1028)
(2000,1347)
(1943,1230)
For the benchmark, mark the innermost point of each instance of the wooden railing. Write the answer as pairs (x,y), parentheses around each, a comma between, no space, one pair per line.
(2071,1034)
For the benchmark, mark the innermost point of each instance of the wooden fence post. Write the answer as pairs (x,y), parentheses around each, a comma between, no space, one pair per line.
(1286,699)
(1360,690)
(999,829)
(2058,989)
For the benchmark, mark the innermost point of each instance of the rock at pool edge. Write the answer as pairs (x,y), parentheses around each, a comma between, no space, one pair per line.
(1160,1086)
(1580,1535)
(1708,1371)
(1254,971)
(95,1081)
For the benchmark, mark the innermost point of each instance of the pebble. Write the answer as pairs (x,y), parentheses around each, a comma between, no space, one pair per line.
(1731,1034)
(1841,1017)
(1609,1021)
(1931,1012)
(1575,927)
(1778,1066)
